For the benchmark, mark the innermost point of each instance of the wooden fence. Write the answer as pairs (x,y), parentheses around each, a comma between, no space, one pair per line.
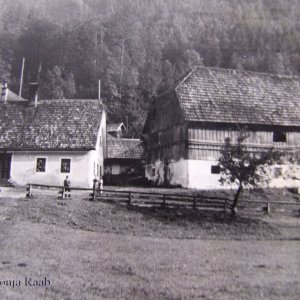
(143,198)
(173,200)
(163,199)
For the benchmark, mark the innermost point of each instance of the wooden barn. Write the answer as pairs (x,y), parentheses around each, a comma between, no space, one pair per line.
(187,124)
(42,142)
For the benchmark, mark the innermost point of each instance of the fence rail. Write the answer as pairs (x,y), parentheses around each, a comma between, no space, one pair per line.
(144,198)
(196,201)
(162,199)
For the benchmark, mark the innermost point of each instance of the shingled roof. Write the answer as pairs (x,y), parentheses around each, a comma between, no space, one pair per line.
(52,125)
(234,96)
(119,148)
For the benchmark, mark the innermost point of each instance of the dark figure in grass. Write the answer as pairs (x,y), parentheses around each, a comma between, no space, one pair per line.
(67,185)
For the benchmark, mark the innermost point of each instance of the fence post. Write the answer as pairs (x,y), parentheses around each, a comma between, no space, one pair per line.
(194,202)
(129,198)
(225,204)
(267,209)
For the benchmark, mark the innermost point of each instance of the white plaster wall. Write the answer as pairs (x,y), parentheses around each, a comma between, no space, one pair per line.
(197,174)
(200,175)
(290,176)
(100,148)
(177,173)
(23,168)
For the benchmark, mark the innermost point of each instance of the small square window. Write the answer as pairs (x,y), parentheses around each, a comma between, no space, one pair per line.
(279,137)
(277,172)
(215,170)
(65,165)
(41,164)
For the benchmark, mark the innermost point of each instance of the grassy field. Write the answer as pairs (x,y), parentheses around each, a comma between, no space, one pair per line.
(95,250)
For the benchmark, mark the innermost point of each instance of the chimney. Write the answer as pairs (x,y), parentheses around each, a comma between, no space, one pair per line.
(33,93)
(4,92)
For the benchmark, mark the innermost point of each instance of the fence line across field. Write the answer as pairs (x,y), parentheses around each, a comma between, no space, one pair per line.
(144,198)
(165,199)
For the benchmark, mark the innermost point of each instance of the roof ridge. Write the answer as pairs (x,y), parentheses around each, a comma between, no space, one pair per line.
(281,76)
(126,139)
(67,100)
(186,77)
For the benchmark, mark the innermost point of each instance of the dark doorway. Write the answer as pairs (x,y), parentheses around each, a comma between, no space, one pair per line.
(5,161)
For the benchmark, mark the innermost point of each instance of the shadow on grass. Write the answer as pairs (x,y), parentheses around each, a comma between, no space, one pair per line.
(196,216)
(206,223)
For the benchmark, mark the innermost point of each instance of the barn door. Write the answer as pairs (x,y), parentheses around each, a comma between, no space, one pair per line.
(5,161)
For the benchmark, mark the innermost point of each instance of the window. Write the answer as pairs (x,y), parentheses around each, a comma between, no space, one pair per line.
(277,172)
(215,169)
(41,164)
(65,165)
(279,137)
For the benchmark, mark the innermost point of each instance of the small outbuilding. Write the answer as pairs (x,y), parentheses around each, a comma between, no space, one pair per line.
(123,161)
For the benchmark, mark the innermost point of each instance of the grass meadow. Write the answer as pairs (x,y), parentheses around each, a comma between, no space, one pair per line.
(97,250)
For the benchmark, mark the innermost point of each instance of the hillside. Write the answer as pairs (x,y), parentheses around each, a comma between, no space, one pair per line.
(138,47)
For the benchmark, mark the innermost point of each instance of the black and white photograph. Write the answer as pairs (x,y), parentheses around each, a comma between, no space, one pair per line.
(150,149)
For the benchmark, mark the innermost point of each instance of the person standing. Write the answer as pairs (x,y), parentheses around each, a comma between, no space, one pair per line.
(67,185)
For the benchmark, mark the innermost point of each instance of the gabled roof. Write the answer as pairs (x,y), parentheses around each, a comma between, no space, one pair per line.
(52,125)
(115,127)
(234,96)
(119,148)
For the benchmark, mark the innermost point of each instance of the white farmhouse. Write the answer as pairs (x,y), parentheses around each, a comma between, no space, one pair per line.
(42,142)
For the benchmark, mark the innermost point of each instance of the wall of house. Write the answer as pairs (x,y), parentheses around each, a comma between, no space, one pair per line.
(123,166)
(205,143)
(204,146)
(167,144)
(98,163)
(23,168)
(199,174)
(174,173)
(278,176)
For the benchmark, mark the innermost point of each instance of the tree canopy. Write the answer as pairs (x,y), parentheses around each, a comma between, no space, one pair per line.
(240,166)
(138,47)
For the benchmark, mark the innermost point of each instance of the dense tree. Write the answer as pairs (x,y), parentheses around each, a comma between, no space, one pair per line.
(137,48)
(57,84)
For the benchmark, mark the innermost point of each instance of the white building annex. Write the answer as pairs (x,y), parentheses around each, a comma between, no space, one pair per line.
(188,123)
(42,142)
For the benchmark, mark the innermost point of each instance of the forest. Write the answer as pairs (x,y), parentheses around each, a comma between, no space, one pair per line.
(137,48)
